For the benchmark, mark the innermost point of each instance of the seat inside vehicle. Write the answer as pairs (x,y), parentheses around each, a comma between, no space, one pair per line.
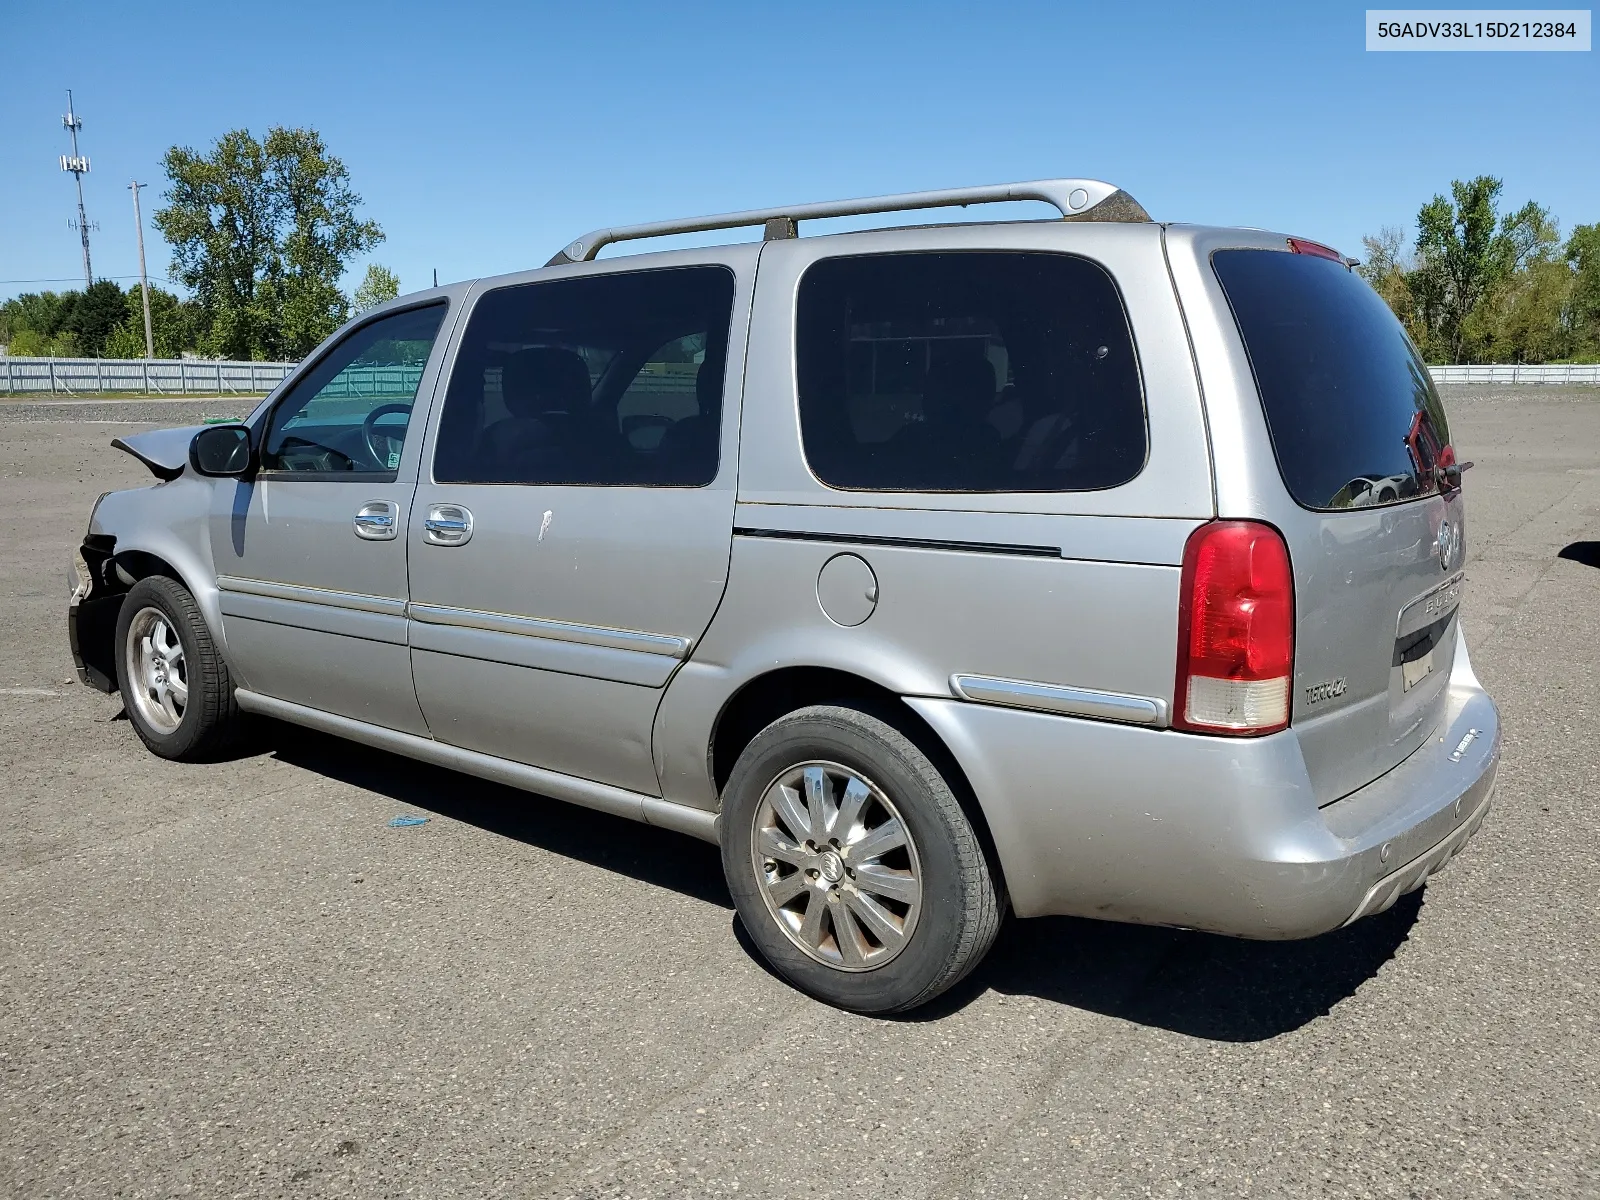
(545,389)
(609,381)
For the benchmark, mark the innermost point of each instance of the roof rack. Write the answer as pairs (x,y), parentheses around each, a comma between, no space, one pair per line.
(1075,199)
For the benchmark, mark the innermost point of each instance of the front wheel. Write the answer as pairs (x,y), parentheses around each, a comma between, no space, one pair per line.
(175,684)
(852,865)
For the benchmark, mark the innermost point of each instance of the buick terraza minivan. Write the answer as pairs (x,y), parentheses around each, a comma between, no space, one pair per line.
(1088,566)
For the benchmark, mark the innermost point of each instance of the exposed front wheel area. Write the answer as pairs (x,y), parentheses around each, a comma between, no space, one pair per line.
(852,864)
(175,685)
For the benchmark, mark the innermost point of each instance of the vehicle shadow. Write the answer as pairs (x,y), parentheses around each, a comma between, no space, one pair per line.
(1587,553)
(644,852)
(1199,984)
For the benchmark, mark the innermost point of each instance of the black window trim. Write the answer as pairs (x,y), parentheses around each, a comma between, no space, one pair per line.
(1127,320)
(258,431)
(448,375)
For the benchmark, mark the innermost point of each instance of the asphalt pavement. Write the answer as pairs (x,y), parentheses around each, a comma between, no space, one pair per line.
(237,979)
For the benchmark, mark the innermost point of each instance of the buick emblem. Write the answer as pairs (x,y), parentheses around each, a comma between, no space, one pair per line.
(1449,545)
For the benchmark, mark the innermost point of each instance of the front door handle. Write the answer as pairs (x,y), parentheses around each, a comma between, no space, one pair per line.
(447,525)
(378,520)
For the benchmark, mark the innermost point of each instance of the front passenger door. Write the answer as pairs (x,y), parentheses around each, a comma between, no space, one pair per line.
(310,560)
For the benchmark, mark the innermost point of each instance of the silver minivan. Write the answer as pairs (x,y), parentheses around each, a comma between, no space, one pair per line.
(1090,566)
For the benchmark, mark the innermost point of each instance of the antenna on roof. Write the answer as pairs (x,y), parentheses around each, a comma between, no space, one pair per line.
(78,165)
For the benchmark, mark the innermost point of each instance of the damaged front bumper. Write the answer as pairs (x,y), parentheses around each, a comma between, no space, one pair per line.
(92,613)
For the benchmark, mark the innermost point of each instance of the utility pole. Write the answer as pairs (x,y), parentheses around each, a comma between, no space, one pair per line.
(144,282)
(78,165)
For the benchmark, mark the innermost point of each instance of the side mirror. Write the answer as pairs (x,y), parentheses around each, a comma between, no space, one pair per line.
(222,450)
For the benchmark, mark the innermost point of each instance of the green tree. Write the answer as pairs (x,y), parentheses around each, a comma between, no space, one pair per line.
(30,343)
(220,223)
(44,313)
(39,324)
(1388,268)
(94,315)
(321,236)
(1526,320)
(378,286)
(1485,287)
(172,326)
(127,341)
(1583,257)
(1465,251)
(26,343)
(261,232)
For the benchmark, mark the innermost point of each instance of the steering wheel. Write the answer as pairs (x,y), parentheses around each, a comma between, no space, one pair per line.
(370,434)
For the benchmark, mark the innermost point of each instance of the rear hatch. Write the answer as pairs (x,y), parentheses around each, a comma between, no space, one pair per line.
(1363,446)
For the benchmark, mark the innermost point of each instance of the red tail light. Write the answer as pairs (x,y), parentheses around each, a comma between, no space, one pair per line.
(1235,630)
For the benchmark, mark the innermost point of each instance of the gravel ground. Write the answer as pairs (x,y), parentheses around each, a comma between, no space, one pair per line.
(159,414)
(237,980)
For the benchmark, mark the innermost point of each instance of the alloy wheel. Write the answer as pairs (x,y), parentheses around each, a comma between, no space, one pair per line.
(157,675)
(836,865)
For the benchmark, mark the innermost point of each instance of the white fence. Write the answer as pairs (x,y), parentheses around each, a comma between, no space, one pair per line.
(374,381)
(184,377)
(156,376)
(1518,373)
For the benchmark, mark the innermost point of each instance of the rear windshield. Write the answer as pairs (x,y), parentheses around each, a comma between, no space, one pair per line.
(1354,416)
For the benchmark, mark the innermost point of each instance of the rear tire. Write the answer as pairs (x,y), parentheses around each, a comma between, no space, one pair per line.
(852,865)
(175,685)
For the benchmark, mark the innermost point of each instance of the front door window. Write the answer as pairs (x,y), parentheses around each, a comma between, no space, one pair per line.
(347,417)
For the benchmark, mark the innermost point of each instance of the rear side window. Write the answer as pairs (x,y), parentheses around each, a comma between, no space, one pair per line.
(1353,413)
(967,372)
(608,379)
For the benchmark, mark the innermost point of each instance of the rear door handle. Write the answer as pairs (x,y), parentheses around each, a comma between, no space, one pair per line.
(447,525)
(378,520)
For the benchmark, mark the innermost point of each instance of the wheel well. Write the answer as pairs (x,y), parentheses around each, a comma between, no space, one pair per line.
(95,633)
(763,700)
(134,565)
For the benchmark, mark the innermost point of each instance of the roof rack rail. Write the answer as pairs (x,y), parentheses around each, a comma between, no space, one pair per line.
(1075,199)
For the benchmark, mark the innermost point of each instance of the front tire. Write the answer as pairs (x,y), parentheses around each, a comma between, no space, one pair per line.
(175,685)
(851,863)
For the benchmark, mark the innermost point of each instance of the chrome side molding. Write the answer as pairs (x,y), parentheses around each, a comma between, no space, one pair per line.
(1068,701)
(463,618)
(359,601)
(561,631)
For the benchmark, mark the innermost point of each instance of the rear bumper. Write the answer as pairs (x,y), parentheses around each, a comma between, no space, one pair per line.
(1159,827)
(1415,873)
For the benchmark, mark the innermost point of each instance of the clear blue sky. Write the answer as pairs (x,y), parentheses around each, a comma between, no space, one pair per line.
(484,136)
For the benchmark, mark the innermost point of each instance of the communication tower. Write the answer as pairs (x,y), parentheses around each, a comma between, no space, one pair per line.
(78,165)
